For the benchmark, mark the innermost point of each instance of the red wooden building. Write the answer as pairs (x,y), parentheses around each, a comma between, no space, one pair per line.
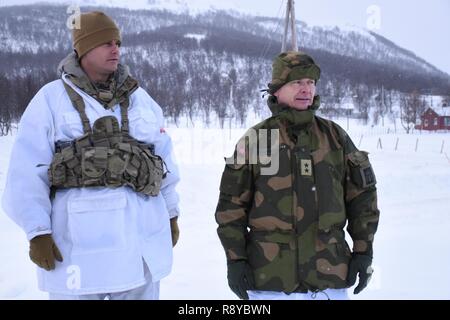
(435,119)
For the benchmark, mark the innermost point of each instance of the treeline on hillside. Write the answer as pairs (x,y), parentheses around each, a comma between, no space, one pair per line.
(187,82)
(217,71)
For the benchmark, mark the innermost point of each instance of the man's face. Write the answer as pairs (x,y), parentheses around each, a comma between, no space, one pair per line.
(298,94)
(104,59)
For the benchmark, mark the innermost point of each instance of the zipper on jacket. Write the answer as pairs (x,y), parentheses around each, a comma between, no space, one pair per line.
(293,157)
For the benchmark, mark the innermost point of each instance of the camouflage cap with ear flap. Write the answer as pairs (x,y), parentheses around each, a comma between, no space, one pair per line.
(292,65)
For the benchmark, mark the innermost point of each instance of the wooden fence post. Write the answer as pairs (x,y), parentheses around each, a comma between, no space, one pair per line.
(379,144)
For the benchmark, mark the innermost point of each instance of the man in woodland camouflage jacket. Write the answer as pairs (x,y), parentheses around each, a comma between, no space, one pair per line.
(283,230)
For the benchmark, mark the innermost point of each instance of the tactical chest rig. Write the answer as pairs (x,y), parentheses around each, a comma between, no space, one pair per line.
(105,156)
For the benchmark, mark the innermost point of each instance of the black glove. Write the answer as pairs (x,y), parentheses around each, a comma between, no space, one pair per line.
(360,263)
(240,278)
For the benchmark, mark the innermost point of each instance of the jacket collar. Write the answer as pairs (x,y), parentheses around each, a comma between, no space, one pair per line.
(292,117)
(119,85)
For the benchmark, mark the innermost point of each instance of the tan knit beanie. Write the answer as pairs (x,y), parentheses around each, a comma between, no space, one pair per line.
(96,28)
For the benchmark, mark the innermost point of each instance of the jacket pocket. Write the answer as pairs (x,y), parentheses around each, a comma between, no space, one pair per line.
(361,170)
(72,126)
(97,224)
(273,261)
(144,125)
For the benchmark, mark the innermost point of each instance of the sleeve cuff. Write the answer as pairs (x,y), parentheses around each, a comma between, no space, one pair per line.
(363,247)
(236,254)
(174,213)
(37,232)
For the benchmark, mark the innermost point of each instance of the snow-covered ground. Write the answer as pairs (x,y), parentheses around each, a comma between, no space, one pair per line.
(412,246)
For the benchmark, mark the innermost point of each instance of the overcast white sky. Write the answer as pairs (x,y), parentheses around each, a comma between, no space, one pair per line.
(420,26)
(417,25)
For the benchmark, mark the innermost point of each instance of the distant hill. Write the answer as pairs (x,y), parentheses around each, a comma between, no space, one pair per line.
(185,60)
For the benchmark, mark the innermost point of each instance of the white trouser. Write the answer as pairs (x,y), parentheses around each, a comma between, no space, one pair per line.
(328,294)
(149,291)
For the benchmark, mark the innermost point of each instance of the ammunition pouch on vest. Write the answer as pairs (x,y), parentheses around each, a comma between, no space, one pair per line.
(106,156)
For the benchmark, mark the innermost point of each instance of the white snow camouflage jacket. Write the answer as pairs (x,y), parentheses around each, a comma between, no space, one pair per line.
(103,234)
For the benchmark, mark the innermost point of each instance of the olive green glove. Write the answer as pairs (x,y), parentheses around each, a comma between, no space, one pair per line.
(360,263)
(43,252)
(175,230)
(240,278)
